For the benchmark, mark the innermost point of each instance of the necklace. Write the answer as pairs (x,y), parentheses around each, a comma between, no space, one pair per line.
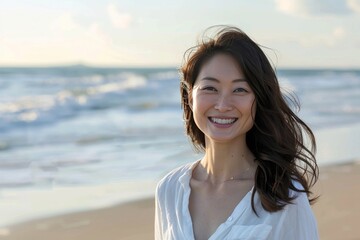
(238,177)
(233,178)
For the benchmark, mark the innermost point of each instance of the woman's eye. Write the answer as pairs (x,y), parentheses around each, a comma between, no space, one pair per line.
(211,89)
(240,90)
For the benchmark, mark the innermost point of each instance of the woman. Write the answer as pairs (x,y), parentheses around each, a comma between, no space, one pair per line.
(255,177)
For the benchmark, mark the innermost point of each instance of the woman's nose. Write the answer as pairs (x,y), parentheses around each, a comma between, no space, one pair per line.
(223,104)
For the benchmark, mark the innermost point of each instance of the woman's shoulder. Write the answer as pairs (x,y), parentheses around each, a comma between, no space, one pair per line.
(299,220)
(296,220)
(300,208)
(172,178)
(299,196)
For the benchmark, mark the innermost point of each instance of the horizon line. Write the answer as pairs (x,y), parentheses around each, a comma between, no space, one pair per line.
(86,65)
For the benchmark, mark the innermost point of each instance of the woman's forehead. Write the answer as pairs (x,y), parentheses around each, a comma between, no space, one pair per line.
(221,66)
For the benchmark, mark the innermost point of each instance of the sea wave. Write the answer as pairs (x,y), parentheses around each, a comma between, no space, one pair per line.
(65,103)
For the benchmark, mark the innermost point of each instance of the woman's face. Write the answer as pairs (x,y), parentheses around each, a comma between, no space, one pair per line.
(223,103)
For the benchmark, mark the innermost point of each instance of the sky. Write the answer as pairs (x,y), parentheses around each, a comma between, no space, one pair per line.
(143,33)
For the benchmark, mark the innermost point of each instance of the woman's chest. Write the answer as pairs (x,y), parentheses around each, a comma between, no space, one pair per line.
(209,208)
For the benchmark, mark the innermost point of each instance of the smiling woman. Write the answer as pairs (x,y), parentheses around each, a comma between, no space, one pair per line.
(222,101)
(255,177)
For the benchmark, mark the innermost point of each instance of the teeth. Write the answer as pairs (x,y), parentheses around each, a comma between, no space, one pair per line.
(223,120)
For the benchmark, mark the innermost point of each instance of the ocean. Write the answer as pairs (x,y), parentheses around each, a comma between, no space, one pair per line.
(75,138)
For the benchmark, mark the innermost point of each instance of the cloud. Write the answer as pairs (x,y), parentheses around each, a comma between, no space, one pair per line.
(119,19)
(65,22)
(354,5)
(67,40)
(79,41)
(71,31)
(315,7)
(331,39)
(338,33)
(337,36)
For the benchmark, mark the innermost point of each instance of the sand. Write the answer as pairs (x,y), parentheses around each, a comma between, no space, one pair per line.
(338,208)
(337,212)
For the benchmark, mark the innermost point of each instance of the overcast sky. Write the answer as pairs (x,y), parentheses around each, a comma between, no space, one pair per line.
(302,33)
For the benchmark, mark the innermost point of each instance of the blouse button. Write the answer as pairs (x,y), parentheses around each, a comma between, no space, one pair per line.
(230,219)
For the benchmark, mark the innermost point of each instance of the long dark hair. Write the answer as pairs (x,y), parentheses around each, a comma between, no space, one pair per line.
(278,136)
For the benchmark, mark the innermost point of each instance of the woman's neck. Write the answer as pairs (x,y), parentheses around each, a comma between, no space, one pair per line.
(223,161)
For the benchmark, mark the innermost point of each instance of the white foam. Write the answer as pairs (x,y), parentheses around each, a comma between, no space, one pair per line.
(129,83)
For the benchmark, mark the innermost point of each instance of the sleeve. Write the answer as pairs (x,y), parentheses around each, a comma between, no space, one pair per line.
(158,214)
(298,222)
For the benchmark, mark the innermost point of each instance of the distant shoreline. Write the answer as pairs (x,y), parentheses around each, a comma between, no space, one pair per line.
(163,67)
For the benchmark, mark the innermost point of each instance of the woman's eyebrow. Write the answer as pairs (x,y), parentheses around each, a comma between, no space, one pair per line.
(217,80)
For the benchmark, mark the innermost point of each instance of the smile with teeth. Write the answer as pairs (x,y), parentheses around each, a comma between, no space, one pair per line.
(222,120)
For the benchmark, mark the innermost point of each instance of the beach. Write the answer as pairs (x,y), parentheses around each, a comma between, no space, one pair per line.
(337,212)
(82,148)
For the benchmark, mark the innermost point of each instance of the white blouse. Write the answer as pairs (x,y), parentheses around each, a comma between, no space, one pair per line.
(173,221)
